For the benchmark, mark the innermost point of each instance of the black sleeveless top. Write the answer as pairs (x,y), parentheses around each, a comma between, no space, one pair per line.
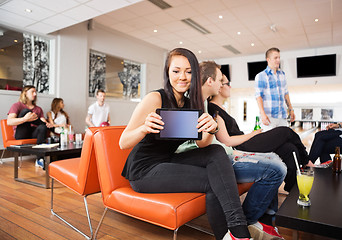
(150,151)
(231,125)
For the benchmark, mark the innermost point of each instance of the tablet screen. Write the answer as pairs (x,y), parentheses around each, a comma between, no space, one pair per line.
(179,124)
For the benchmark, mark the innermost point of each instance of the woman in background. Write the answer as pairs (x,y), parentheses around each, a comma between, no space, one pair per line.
(57,116)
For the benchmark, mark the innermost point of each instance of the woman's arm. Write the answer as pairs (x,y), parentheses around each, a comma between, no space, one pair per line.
(50,120)
(231,141)
(334,125)
(144,120)
(206,125)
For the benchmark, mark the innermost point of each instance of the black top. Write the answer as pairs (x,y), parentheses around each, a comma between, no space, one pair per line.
(150,151)
(231,125)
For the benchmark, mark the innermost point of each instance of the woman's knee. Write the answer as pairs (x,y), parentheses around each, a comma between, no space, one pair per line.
(215,149)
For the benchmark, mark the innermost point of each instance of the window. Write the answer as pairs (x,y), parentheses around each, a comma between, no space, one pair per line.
(120,78)
(24,60)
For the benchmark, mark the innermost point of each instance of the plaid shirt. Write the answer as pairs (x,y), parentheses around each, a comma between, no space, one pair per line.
(272,89)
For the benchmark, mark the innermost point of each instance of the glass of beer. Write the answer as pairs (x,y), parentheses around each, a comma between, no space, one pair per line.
(304,180)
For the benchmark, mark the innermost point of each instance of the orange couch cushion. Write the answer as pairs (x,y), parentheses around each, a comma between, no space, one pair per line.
(66,172)
(168,210)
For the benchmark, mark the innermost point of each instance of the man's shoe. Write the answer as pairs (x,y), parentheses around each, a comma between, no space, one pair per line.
(261,231)
(40,163)
(229,236)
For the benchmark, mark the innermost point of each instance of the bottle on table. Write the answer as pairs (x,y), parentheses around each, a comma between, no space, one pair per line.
(337,161)
(71,134)
(63,137)
(257,123)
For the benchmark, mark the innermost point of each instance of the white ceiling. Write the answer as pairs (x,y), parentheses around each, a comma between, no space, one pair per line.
(294,21)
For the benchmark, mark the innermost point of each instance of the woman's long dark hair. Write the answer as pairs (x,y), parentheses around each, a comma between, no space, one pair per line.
(195,91)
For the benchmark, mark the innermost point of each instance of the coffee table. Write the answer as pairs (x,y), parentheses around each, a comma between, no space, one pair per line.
(324,216)
(70,150)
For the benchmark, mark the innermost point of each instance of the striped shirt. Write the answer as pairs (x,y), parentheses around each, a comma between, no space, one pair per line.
(272,89)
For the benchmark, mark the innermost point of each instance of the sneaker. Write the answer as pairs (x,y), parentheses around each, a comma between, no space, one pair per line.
(325,164)
(229,236)
(260,231)
(40,163)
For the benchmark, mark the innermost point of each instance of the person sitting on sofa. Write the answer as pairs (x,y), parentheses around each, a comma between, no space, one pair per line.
(28,119)
(57,116)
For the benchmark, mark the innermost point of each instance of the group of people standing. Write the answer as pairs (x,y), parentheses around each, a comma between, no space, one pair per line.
(213,165)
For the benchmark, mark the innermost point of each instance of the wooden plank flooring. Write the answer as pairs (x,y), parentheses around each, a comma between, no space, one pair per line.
(25,213)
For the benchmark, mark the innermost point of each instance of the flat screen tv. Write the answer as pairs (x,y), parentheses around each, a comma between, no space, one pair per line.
(225,71)
(254,68)
(316,66)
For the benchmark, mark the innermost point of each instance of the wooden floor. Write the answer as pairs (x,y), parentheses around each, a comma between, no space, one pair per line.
(25,213)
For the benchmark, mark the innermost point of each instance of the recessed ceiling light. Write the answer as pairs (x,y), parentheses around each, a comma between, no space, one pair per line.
(238,33)
(155,30)
(252,44)
(28,10)
(220,17)
(316,20)
(15,40)
(199,51)
(180,42)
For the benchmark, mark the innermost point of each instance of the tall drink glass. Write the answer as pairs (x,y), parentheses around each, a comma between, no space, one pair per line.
(305,180)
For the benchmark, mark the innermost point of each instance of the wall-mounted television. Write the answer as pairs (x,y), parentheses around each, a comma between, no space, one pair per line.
(316,66)
(254,68)
(225,70)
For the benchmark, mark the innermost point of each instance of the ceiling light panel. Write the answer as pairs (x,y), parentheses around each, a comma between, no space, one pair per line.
(195,25)
(232,49)
(161,4)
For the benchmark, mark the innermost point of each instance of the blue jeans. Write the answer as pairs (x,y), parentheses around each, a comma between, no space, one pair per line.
(267,171)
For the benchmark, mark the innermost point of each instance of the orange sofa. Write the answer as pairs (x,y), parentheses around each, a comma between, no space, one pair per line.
(168,210)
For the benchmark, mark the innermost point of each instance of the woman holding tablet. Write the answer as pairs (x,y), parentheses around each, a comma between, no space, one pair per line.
(154,167)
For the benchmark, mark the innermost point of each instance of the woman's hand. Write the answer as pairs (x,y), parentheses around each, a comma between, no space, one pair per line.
(153,123)
(256,132)
(206,123)
(332,126)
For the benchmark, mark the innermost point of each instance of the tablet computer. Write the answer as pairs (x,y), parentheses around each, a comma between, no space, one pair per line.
(179,124)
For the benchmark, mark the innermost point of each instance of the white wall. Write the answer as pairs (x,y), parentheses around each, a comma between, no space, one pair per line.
(119,45)
(70,72)
(304,92)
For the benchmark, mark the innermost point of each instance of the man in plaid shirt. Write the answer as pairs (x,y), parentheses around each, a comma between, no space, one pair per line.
(272,94)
